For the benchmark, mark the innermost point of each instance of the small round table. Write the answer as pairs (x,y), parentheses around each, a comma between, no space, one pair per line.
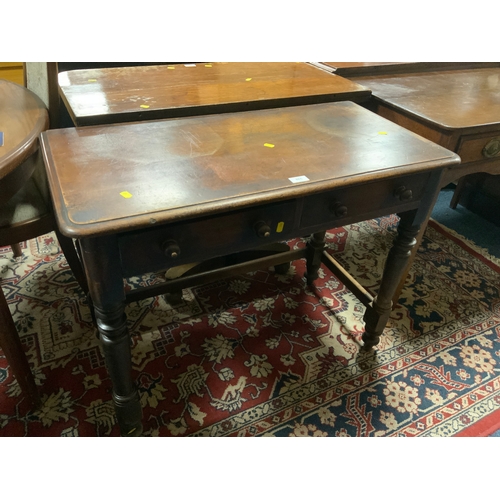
(23,116)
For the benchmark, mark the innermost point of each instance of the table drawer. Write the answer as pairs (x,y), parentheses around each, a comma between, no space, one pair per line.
(202,239)
(479,147)
(372,199)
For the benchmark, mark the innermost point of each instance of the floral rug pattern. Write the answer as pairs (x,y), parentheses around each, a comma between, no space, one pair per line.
(263,354)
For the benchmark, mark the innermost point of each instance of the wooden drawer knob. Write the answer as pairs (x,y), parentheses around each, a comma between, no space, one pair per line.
(403,194)
(338,209)
(262,229)
(492,149)
(171,249)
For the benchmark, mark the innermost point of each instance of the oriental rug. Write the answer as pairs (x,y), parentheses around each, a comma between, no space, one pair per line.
(263,354)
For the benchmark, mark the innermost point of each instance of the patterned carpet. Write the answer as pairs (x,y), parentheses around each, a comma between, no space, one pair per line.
(263,354)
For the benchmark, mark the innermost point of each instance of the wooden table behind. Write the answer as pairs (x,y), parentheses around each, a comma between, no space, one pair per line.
(111,95)
(354,69)
(458,109)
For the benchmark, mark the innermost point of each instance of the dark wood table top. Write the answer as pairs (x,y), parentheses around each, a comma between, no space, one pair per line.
(22,117)
(465,100)
(356,68)
(111,95)
(109,179)
(350,69)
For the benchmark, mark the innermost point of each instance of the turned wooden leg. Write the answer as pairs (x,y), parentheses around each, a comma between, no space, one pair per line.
(13,350)
(315,247)
(115,340)
(404,275)
(377,315)
(458,191)
(102,265)
(420,220)
(16,249)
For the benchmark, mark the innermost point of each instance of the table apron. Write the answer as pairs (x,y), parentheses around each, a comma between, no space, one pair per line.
(169,245)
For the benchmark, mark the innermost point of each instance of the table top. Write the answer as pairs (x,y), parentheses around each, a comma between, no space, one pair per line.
(115,178)
(22,117)
(112,95)
(451,100)
(348,69)
(356,68)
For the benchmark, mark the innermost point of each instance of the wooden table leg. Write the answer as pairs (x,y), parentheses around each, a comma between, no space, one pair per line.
(458,191)
(377,315)
(314,254)
(422,218)
(16,249)
(13,350)
(404,275)
(411,228)
(102,264)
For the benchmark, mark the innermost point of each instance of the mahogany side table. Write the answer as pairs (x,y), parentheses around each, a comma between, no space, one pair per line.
(147,196)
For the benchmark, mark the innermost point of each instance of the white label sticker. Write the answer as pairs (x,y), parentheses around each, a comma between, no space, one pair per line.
(300,178)
(190,65)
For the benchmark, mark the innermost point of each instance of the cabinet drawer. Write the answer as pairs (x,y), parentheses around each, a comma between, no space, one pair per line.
(205,238)
(372,199)
(479,147)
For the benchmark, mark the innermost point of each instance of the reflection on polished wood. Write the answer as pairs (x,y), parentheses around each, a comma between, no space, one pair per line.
(149,196)
(110,95)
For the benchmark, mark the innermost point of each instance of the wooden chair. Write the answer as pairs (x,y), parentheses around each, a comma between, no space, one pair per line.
(25,206)
(28,213)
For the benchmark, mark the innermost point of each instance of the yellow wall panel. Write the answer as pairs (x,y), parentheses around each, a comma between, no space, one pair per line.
(12,71)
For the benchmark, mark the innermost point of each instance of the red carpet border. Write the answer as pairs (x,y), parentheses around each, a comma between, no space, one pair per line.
(263,354)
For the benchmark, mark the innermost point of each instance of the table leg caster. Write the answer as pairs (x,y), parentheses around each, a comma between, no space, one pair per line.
(134,432)
(173,298)
(282,268)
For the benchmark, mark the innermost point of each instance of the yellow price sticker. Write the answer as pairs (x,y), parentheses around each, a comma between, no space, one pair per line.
(92,80)
(280,227)
(383,133)
(247,79)
(268,145)
(170,67)
(208,65)
(126,194)
(145,106)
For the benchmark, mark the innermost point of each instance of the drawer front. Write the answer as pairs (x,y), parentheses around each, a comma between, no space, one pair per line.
(373,199)
(479,147)
(205,238)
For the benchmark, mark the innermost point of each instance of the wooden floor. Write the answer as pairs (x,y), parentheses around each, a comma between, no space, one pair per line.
(12,71)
